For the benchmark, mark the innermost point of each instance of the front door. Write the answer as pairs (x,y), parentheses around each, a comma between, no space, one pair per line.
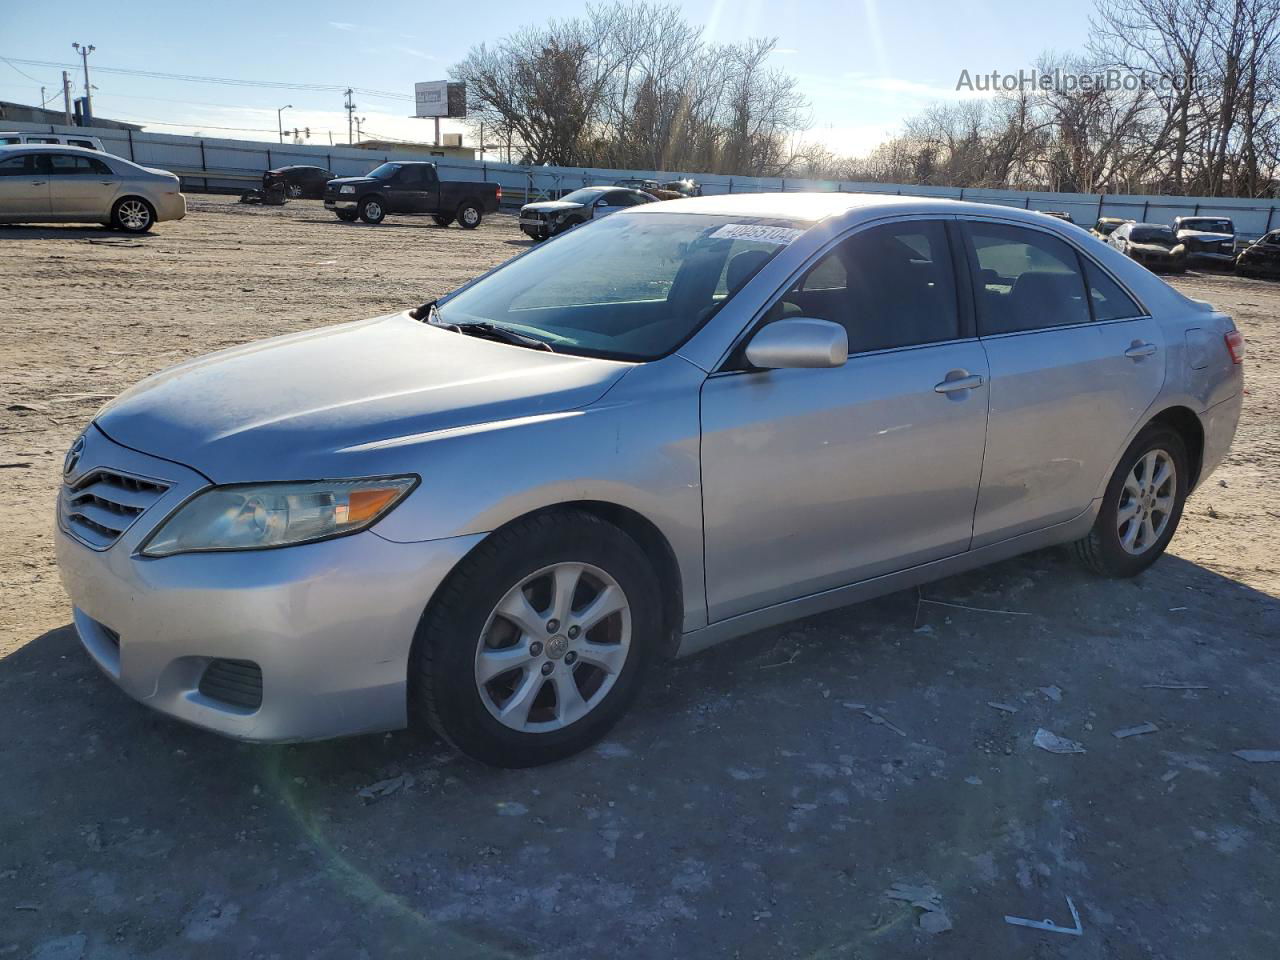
(1074,364)
(24,189)
(817,478)
(81,188)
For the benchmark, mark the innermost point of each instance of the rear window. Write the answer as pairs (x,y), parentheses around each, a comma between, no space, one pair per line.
(1151,235)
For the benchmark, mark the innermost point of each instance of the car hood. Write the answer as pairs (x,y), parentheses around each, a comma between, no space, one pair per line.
(338,181)
(1154,247)
(552,206)
(1202,235)
(343,401)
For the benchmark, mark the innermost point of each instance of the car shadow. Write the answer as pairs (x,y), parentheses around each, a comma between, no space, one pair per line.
(21,231)
(818,761)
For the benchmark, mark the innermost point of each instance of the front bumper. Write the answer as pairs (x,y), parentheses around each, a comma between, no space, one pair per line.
(329,624)
(1208,258)
(333,203)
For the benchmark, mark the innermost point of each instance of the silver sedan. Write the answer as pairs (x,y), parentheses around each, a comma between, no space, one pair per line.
(694,419)
(55,184)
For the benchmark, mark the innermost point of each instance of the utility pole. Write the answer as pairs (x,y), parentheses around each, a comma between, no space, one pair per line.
(84,52)
(287,106)
(66,97)
(360,120)
(351,112)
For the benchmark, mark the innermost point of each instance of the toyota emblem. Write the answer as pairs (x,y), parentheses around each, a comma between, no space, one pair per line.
(73,456)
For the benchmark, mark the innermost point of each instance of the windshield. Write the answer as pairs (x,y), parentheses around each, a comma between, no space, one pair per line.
(1160,235)
(1208,225)
(384,172)
(585,195)
(625,287)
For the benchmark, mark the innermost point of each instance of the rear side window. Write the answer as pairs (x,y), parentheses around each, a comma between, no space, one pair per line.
(888,286)
(65,163)
(1023,279)
(1108,299)
(82,143)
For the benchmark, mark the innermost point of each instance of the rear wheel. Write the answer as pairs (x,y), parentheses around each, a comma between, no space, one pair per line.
(442,220)
(294,190)
(133,215)
(537,643)
(469,215)
(1141,507)
(371,210)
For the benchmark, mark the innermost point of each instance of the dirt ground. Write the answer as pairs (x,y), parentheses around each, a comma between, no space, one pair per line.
(760,800)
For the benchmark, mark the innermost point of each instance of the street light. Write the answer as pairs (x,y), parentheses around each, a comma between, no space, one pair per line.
(279,123)
(84,52)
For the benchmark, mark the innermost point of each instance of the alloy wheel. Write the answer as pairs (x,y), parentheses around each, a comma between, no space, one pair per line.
(295,190)
(134,215)
(553,647)
(1147,501)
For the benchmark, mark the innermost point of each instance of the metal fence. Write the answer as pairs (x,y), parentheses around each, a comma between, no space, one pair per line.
(212,164)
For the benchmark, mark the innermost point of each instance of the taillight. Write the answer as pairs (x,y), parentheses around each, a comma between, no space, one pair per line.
(499,191)
(1235,346)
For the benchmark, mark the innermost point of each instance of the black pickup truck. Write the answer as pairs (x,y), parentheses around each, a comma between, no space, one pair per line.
(413,188)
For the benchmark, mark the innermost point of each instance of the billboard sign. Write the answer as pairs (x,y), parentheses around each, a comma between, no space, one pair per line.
(440,98)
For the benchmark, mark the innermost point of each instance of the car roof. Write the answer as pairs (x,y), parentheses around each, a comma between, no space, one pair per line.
(50,147)
(1158,226)
(815,207)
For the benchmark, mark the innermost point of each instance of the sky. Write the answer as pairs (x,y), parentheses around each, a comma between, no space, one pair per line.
(864,65)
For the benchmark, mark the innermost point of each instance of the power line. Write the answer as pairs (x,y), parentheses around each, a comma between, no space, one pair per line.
(23,72)
(229,81)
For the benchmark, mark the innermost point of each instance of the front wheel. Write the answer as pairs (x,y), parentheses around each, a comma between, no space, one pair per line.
(346,216)
(441,220)
(371,210)
(133,215)
(469,215)
(537,643)
(1141,507)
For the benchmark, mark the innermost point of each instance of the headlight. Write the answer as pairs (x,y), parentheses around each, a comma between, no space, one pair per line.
(347,188)
(259,516)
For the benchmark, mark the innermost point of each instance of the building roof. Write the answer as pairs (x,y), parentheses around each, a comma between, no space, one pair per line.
(26,113)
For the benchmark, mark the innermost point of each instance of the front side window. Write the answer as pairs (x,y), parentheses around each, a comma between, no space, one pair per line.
(627,287)
(19,166)
(888,286)
(1023,279)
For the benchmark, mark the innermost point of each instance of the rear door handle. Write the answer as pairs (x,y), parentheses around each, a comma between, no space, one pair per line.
(38,183)
(1140,350)
(971,382)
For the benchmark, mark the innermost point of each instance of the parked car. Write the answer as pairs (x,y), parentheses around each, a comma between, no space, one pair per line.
(56,184)
(1106,226)
(1058,215)
(546,218)
(415,188)
(297,181)
(1152,244)
(1261,258)
(1209,241)
(677,425)
(637,183)
(13,138)
(686,187)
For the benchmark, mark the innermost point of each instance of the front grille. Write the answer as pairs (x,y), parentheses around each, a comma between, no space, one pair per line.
(236,682)
(103,504)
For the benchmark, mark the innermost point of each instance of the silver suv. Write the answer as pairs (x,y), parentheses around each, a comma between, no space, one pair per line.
(673,426)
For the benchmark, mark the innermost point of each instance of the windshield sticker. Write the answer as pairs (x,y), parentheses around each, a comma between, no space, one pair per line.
(757,232)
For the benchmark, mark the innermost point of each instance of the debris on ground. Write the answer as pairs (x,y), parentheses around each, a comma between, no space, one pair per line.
(1258,756)
(1175,685)
(1002,707)
(14,466)
(1047,740)
(925,898)
(1137,731)
(1053,692)
(1049,925)
(881,721)
(384,788)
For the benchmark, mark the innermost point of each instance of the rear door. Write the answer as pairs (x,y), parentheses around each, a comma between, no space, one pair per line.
(81,187)
(1075,362)
(817,478)
(24,188)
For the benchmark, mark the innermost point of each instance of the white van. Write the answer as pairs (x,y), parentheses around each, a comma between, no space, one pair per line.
(11,137)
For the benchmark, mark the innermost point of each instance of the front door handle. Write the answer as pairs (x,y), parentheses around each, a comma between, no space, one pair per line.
(38,183)
(971,382)
(1140,350)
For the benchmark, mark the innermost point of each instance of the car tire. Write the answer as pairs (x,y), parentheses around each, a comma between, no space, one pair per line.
(569,224)
(469,214)
(133,215)
(1124,546)
(518,567)
(347,216)
(294,190)
(441,220)
(372,210)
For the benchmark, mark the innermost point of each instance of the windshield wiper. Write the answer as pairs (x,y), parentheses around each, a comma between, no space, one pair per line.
(428,313)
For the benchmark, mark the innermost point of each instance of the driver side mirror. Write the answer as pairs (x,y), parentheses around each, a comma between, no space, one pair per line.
(797,342)
(602,202)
